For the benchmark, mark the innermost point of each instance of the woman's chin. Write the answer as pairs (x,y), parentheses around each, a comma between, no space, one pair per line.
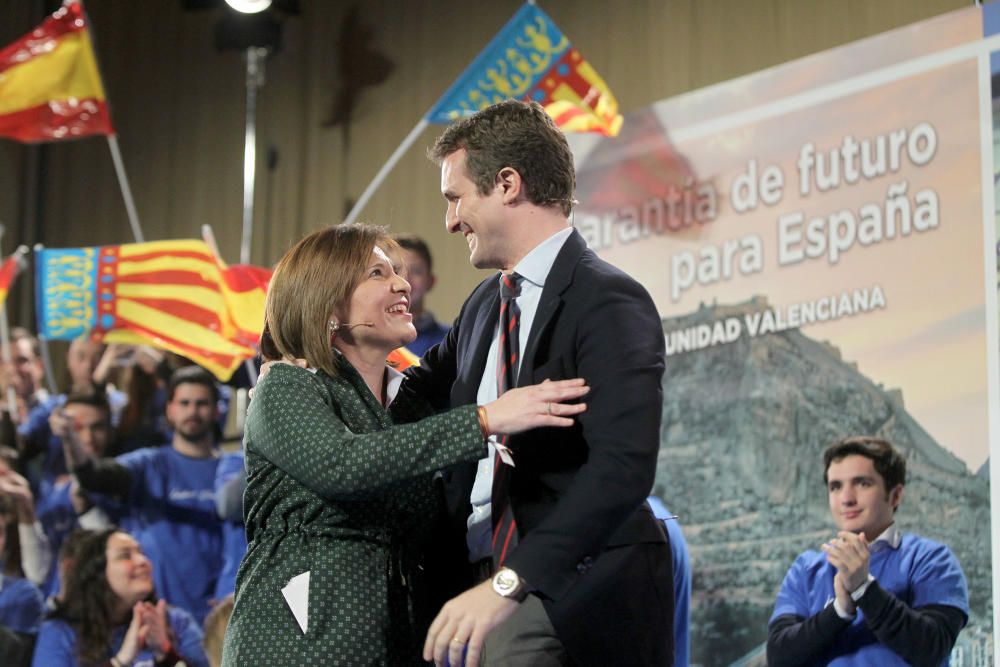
(405,338)
(137,595)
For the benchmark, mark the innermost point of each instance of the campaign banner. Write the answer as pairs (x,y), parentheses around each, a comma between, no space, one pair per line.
(819,239)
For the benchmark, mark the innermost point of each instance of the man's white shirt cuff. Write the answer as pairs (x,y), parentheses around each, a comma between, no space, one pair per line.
(841,612)
(857,594)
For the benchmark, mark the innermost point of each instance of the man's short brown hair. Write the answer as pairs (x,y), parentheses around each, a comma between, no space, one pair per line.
(519,135)
(888,462)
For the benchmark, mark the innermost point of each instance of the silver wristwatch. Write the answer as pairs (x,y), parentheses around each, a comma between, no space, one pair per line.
(508,585)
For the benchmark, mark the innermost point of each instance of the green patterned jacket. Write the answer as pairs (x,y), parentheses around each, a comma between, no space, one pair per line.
(341,488)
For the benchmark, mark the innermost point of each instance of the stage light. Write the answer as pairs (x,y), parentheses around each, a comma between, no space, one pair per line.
(249,6)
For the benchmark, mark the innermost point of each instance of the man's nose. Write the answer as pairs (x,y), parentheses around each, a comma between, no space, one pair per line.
(451,219)
(85,439)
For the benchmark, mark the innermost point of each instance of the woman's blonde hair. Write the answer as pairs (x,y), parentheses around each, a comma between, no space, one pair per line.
(215,630)
(318,274)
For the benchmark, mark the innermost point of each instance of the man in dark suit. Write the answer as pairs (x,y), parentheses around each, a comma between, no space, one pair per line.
(582,575)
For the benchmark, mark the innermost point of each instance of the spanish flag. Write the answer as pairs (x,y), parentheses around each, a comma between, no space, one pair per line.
(175,295)
(531,59)
(50,88)
(8,271)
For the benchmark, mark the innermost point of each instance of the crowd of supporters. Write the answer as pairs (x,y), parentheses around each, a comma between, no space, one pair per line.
(120,509)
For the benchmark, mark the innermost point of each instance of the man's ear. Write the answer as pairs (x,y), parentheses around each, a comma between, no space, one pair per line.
(510,184)
(896,497)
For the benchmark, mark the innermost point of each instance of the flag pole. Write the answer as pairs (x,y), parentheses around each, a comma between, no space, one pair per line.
(256,57)
(50,376)
(410,139)
(133,216)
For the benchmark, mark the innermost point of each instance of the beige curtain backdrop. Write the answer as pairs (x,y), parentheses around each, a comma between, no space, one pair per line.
(178,106)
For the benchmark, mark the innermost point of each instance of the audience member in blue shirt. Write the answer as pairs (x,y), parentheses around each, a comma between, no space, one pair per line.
(682,579)
(109,614)
(874,596)
(170,492)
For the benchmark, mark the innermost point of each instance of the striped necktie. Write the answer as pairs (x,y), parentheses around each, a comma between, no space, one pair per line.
(504,525)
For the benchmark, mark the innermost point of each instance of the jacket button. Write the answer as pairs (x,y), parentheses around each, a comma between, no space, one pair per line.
(588,562)
(581,568)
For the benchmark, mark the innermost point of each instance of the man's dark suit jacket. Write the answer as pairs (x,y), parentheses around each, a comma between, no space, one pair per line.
(589,545)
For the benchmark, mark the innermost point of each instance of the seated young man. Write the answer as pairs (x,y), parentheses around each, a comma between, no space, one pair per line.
(874,595)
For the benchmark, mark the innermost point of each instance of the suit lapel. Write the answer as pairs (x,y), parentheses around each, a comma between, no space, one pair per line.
(470,372)
(558,280)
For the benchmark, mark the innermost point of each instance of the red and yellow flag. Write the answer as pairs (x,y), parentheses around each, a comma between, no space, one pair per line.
(50,88)
(175,295)
(8,271)
(531,59)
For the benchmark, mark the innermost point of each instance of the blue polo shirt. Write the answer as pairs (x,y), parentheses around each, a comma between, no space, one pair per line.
(918,573)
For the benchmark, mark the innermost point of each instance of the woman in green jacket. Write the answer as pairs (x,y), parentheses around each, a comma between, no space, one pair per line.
(340,499)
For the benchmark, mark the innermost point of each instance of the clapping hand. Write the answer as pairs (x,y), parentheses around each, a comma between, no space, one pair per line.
(156,632)
(848,552)
(149,629)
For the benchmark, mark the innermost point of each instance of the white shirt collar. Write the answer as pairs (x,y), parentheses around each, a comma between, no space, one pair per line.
(535,266)
(890,538)
(393,380)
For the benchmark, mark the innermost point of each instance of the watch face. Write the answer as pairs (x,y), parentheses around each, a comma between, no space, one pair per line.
(505,582)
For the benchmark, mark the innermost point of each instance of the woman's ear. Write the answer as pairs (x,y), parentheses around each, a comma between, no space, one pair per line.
(333,322)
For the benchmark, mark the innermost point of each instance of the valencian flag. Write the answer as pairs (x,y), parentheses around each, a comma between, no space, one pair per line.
(175,295)
(8,271)
(531,59)
(50,87)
